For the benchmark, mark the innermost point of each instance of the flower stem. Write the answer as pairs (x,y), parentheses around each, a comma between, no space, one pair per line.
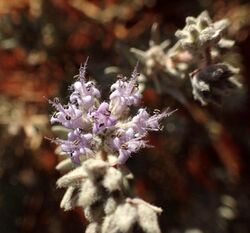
(104,155)
(207,56)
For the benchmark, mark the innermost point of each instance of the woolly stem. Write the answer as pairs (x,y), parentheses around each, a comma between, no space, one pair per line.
(157,84)
(104,155)
(207,56)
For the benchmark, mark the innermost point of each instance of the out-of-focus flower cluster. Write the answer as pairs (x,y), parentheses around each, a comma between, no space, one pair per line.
(17,117)
(160,59)
(214,81)
(214,78)
(201,32)
(95,126)
(198,55)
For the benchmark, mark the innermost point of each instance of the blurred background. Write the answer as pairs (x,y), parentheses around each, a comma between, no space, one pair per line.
(198,170)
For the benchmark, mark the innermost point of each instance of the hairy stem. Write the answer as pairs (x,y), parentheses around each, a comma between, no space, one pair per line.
(104,155)
(207,56)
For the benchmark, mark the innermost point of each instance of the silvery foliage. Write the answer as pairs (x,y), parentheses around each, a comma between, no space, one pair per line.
(201,32)
(159,58)
(103,192)
(198,55)
(201,37)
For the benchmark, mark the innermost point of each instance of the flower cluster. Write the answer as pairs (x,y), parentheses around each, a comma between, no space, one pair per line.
(95,126)
(202,38)
(213,82)
(156,59)
(200,53)
(202,32)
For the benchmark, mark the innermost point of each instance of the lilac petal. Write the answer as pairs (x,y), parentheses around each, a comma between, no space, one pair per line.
(123,156)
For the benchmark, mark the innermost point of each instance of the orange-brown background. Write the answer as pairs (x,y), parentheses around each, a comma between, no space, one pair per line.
(189,173)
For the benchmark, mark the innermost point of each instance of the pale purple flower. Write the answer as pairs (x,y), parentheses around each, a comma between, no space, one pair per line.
(121,136)
(125,142)
(84,94)
(102,118)
(77,144)
(143,122)
(69,115)
(124,93)
(82,70)
(129,147)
